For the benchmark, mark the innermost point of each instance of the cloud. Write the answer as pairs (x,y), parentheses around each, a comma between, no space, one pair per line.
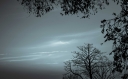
(34,56)
(2,54)
(51,63)
(17,57)
(57,56)
(51,52)
(64,40)
(78,37)
(88,33)
(21,58)
(30,59)
(59,43)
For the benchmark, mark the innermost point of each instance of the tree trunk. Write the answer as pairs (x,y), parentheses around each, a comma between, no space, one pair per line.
(90,69)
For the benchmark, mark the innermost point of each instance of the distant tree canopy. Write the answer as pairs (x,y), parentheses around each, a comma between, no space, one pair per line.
(115,29)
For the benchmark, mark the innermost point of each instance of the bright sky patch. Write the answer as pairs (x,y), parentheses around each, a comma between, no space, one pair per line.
(60,43)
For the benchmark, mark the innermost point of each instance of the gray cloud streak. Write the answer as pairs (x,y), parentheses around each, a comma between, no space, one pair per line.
(34,56)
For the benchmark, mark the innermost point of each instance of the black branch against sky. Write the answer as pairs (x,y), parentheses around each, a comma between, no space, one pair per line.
(90,63)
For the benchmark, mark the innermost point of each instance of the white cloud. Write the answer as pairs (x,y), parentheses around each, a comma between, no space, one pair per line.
(30,59)
(28,56)
(67,39)
(91,32)
(59,43)
(2,54)
(51,63)
(57,56)
(34,56)
(49,52)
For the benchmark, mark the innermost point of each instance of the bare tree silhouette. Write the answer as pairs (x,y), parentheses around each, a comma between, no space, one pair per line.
(89,63)
(104,69)
(70,76)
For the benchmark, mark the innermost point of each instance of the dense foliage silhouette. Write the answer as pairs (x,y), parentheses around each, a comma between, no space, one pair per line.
(115,29)
(86,7)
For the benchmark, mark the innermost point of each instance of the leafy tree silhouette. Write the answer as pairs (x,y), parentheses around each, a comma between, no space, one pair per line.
(88,63)
(86,7)
(115,29)
(39,7)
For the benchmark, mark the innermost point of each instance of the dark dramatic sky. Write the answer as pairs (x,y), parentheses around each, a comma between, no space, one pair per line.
(35,48)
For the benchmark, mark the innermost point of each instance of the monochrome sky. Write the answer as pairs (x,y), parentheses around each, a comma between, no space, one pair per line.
(32,47)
